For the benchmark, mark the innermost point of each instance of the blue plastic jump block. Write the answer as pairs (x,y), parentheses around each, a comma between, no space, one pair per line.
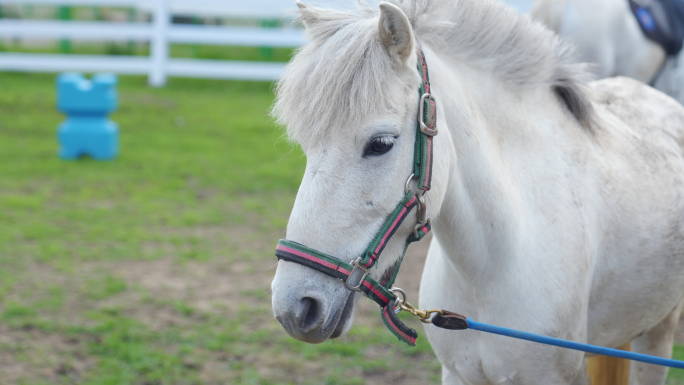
(87,129)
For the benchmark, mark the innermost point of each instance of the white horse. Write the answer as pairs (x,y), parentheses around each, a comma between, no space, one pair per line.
(557,205)
(607,34)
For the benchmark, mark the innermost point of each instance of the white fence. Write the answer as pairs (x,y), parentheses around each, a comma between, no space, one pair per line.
(160,32)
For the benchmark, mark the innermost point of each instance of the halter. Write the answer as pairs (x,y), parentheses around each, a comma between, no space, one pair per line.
(356,274)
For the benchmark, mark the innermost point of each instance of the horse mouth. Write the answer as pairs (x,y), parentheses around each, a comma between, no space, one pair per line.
(345,320)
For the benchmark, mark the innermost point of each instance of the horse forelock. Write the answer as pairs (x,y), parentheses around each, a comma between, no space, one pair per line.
(341,76)
(344,73)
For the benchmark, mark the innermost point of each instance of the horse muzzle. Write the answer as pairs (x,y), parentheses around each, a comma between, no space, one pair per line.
(311,306)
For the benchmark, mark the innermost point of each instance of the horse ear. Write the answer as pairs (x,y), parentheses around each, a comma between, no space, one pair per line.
(395,33)
(305,14)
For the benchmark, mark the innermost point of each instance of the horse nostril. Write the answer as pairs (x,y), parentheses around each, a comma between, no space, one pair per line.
(309,314)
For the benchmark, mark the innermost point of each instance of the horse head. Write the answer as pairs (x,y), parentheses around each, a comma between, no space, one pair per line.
(350,99)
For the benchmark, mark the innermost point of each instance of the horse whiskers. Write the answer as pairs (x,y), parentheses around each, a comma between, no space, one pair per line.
(273,266)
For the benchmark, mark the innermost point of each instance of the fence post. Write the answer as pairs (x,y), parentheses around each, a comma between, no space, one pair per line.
(65,14)
(267,52)
(159,45)
(132,17)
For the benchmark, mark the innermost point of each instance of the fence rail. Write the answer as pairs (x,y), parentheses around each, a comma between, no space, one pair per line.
(271,9)
(177,33)
(160,32)
(140,65)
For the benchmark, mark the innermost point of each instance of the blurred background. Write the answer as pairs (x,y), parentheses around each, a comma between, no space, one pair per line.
(155,268)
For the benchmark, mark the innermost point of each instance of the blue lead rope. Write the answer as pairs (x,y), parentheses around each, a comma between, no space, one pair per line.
(574,345)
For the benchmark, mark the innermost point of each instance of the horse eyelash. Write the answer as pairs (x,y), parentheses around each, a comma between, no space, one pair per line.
(386,139)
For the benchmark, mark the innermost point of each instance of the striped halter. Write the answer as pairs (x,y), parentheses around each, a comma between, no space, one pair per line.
(356,273)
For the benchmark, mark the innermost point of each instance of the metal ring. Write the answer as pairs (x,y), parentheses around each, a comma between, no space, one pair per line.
(398,290)
(408,182)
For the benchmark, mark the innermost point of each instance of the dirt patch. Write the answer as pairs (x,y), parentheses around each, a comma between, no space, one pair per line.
(223,284)
(218,286)
(31,355)
(176,292)
(206,286)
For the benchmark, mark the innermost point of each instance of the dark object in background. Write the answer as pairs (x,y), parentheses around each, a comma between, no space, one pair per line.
(662,21)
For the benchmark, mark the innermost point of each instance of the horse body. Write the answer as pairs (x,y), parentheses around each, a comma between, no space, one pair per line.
(556,206)
(607,34)
(540,232)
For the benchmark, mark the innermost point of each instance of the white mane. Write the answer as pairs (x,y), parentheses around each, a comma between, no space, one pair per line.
(341,75)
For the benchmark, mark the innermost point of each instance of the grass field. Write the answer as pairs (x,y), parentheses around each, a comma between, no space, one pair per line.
(155,268)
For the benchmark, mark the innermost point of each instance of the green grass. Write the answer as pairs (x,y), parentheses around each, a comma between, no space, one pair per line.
(197,51)
(202,188)
(676,376)
(169,176)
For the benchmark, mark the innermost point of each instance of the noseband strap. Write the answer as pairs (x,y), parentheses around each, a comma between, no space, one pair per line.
(356,274)
(295,252)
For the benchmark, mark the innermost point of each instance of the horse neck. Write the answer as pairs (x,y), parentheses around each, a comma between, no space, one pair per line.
(489,124)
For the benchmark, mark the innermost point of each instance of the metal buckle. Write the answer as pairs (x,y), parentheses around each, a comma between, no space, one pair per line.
(421,115)
(356,265)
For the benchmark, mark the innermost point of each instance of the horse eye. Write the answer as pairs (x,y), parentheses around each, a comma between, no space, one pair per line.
(379,145)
